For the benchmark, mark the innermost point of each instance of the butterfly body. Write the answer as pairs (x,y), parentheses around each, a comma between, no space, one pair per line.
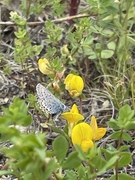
(49,103)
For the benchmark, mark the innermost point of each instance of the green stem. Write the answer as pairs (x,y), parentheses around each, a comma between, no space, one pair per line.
(92,172)
(116,165)
(28,4)
(122,60)
(132,90)
(125,25)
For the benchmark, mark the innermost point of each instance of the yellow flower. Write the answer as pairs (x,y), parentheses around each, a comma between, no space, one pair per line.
(73,116)
(74,85)
(44,66)
(98,132)
(82,135)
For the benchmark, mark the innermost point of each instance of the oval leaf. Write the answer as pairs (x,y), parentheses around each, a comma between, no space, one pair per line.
(60,146)
(105,54)
(72,161)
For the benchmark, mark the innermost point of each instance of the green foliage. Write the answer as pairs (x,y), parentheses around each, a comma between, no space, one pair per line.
(28,7)
(17,113)
(72,161)
(29,157)
(27,154)
(60,146)
(125,136)
(54,32)
(107,40)
(125,119)
(122,176)
(23,46)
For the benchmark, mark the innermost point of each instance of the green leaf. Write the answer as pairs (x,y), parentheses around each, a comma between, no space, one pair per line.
(109,152)
(125,147)
(124,120)
(2,172)
(105,54)
(17,113)
(81,154)
(98,162)
(117,136)
(107,32)
(83,171)
(88,41)
(108,165)
(72,161)
(111,45)
(60,131)
(126,113)
(50,168)
(130,125)
(112,123)
(122,176)
(119,26)
(21,33)
(125,117)
(69,174)
(131,40)
(125,159)
(41,153)
(92,55)
(60,146)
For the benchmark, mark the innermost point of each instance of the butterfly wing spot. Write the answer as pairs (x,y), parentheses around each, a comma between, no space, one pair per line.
(40,102)
(48,102)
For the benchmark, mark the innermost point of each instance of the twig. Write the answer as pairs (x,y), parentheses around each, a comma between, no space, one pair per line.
(8,23)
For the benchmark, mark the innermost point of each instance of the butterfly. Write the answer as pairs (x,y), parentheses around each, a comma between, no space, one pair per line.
(49,103)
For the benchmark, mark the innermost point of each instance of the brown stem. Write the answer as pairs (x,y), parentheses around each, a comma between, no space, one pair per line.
(73,9)
(80,105)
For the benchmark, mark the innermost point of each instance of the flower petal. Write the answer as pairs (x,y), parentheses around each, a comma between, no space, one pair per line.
(86,144)
(72,117)
(74,109)
(93,124)
(44,66)
(68,78)
(74,84)
(82,135)
(100,133)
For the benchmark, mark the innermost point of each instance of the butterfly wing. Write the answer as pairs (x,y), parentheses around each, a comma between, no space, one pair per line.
(48,102)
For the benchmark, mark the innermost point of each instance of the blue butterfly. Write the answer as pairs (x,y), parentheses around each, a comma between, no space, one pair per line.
(49,103)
